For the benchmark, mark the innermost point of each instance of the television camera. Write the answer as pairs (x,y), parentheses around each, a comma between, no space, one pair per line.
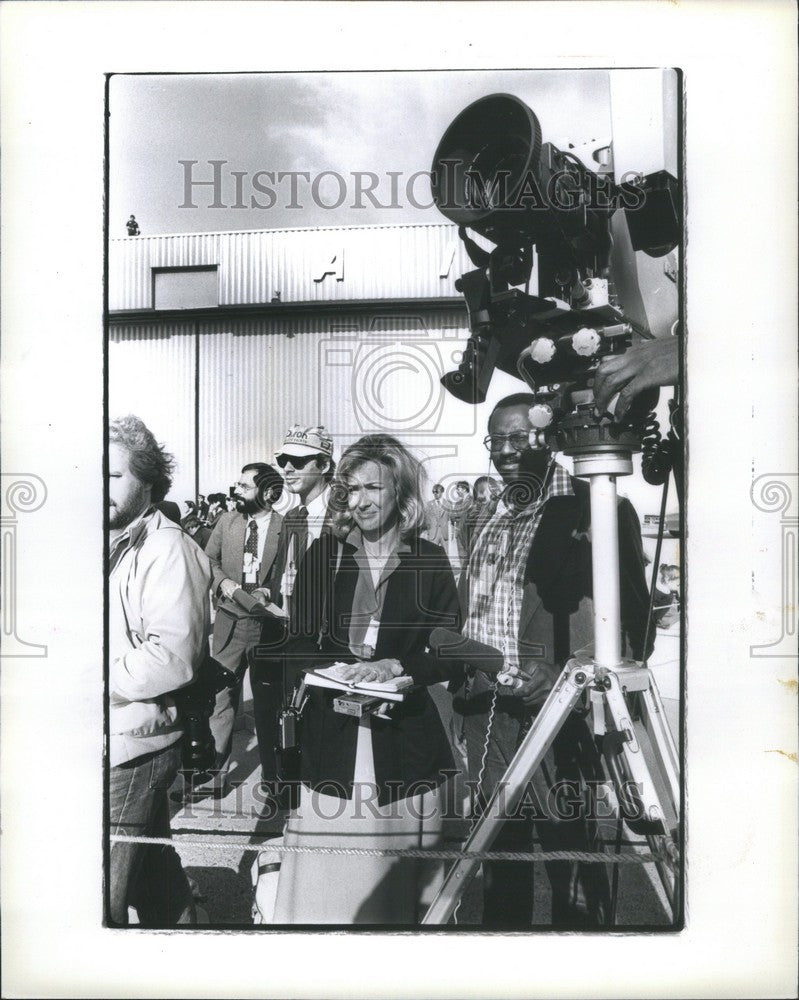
(605,248)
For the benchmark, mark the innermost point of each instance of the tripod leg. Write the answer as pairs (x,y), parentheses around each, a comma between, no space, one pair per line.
(662,741)
(645,794)
(562,698)
(665,750)
(644,791)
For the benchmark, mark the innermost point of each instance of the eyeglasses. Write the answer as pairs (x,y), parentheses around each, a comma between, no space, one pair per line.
(519,440)
(296,463)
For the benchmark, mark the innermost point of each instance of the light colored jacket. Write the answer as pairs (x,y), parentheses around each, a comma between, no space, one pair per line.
(158,595)
(436,523)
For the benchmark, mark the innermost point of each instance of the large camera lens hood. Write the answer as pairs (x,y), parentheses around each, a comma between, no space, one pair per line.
(496,135)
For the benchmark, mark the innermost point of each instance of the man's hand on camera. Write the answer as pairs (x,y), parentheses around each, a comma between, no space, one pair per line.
(227,588)
(262,595)
(531,684)
(647,365)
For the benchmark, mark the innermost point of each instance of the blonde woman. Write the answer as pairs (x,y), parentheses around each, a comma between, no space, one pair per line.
(370,782)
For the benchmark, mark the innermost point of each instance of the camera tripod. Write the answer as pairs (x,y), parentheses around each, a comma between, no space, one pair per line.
(612,684)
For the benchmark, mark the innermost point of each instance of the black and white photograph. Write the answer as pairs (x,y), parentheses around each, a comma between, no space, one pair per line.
(404,396)
(394,585)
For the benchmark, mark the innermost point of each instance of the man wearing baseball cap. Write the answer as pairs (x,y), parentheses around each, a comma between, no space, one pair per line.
(306,459)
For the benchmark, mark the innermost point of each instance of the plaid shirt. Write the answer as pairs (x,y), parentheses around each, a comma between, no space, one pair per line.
(496,569)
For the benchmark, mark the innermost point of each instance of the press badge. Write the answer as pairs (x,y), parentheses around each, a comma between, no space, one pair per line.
(250,568)
(370,639)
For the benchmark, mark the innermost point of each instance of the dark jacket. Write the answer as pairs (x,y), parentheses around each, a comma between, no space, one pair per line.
(412,747)
(295,527)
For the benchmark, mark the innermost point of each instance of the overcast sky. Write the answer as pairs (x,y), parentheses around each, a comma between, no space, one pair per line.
(314,122)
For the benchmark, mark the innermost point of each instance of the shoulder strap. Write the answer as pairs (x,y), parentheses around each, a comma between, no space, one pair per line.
(327,580)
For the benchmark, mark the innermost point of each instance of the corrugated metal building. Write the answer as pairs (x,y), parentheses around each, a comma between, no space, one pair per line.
(219,341)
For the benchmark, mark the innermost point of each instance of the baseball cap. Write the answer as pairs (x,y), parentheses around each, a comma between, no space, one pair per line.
(302,441)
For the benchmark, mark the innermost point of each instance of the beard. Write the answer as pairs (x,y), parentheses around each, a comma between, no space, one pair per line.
(120,516)
(247,506)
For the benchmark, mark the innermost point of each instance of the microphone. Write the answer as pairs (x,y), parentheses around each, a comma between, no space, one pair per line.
(448,645)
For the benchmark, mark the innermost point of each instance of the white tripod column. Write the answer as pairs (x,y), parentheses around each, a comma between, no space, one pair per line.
(605,571)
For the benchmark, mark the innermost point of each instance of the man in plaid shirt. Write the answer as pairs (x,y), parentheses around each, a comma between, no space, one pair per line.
(528,591)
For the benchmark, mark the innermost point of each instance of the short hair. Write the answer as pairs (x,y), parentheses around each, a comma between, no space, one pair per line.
(438,486)
(330,475)
(266,478)
(516,399)
(216,498)
(149,462)
(480,481)
(406,473)
(462,485)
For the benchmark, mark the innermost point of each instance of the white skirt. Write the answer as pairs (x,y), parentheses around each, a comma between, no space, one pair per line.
(359,889)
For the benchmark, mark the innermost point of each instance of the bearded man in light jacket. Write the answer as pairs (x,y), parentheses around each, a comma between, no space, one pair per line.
(158,598)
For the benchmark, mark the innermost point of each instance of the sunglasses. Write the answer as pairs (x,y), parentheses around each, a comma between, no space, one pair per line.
(296,463)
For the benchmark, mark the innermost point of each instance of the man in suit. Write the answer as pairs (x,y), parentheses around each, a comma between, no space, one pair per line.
(242,550)
(528,590)
(436,518)
(458,513)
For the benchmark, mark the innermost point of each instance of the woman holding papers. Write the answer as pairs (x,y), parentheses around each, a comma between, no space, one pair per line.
(374,781)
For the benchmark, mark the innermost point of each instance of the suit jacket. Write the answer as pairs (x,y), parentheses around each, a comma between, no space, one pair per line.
(436,525)
(556,615)
(420,596)
(225,549)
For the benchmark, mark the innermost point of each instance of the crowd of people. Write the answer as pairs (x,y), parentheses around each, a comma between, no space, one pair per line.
(358,573)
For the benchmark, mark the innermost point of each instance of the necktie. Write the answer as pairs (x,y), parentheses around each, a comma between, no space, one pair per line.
(301,534)
(298,539)
(249,574)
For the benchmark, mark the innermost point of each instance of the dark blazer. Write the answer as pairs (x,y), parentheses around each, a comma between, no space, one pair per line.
(420,595)
(556,616)
(297,527)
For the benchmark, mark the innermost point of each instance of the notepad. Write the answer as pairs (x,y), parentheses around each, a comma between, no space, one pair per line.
(330,677)
(257,608)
